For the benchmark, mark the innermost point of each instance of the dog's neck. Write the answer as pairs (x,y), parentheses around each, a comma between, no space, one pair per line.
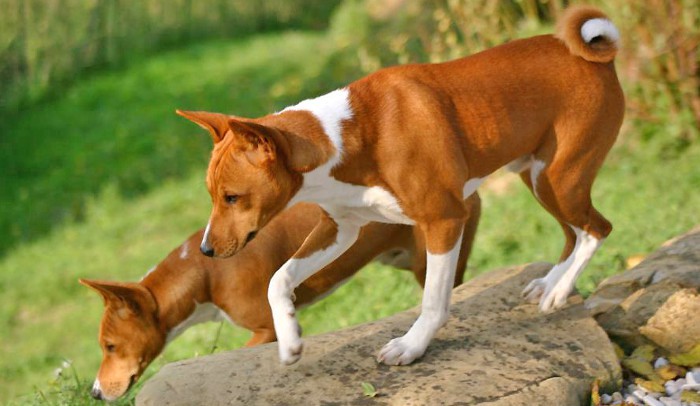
(301,142)
(178,284)
(311,132)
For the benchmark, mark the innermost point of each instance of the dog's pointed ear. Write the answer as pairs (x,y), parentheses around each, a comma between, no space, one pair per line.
(98,287)
(256,141)
(215,123)
(127,295)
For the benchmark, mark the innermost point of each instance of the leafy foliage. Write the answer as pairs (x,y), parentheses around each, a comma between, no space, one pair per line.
(46,43)
(659,62)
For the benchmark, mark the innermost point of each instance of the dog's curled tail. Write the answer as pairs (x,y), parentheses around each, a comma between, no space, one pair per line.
(588,33)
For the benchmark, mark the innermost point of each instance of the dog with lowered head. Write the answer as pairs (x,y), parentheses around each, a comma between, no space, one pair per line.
(187,288)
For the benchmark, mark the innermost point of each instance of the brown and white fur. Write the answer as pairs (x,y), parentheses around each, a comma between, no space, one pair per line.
(187,288)
(408,144)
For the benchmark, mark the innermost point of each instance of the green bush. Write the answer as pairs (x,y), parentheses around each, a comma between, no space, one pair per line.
(658,65)
(45,43)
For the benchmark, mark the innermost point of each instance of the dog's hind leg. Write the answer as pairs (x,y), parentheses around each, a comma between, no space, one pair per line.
(527,176)
(443,243)
(562,182)
(473,206)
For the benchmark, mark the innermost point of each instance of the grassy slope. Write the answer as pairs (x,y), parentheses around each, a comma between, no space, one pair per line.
(111,139)
(119,128)
(647,197)
(143,168)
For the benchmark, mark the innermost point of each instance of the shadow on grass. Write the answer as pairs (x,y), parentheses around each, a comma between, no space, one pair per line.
(120,128)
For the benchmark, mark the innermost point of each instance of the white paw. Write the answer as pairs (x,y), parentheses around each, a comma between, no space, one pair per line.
(400,351)
(534,290)
(554,298)
(291,352)
(290,343)
(550,296)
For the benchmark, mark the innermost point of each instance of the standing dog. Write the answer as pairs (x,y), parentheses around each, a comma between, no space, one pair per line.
(187,288)
(408,144)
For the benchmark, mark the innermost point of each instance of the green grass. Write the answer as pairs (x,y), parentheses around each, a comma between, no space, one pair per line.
(119,128)
(79,169)
(105,181)
(648,196)
(48,317)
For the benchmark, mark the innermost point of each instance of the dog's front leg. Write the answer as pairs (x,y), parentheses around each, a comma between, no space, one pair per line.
(443,243)
(328,240)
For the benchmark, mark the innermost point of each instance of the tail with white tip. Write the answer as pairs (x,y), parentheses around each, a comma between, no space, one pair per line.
(588,33)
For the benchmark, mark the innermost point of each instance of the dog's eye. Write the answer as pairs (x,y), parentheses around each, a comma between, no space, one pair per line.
(110,347)
(231,199)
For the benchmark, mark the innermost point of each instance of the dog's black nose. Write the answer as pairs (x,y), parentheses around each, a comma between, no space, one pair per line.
(96,393)
(207,250)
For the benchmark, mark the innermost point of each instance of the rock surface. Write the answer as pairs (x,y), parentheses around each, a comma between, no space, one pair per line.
(494,351)
(650,293)
(676,325)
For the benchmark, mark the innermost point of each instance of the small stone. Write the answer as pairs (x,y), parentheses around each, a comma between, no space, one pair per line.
(660,362)
(672,387)
(632,399)
(617,397)
(639,394)
(670,402)
(606,399)
(676,324)
(691,382)
(651,401)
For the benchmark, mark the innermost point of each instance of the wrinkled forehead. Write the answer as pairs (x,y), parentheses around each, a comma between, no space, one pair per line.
(118,321)
(111,325)
(229,167)
(224,160)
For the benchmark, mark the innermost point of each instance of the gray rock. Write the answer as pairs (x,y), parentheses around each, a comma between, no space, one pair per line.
(627,301)
(494,351)
(676,325)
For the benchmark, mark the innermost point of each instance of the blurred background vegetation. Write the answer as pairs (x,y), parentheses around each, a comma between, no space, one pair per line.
(46,43)
(100,179)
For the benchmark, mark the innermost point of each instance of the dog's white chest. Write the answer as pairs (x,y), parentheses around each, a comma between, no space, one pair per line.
(383,206)
(341,199)
(203,312)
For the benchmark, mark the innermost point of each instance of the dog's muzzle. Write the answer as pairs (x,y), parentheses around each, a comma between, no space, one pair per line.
(206,249)
(96,393)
